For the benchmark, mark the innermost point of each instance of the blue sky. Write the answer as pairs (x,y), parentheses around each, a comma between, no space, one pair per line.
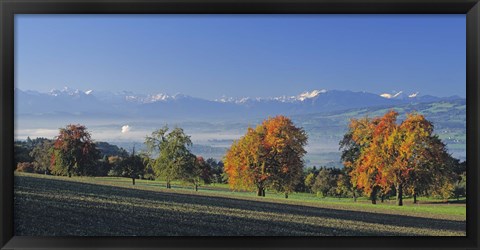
(244,55)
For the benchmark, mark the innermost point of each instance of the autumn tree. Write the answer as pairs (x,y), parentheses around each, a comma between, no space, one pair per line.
(286,148)
(26,167)
(407,156)
(169,153)
(422,160)
(415,157)
(385,152)
(245,163)
(74,152)
(359,160)
(271,155)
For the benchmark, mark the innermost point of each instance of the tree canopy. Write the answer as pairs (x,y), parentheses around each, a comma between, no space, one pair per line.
(271,155)
(74,152)
(380,154)
(172,153)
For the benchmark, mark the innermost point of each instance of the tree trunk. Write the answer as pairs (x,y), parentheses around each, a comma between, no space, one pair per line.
(414,198)
(354,196)
(383,198)
(260,192)
(196,187)
(69,175)
(373,196)
(263,192)
(168,184)
(399,189)
(133,181)
(286,195)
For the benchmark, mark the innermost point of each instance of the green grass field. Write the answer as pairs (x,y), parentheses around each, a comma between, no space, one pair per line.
(111,206)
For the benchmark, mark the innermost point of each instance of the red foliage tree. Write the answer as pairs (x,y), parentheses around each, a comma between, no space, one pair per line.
(74,152)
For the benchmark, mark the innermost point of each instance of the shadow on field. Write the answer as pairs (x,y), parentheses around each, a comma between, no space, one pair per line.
(463,201)
(38,215)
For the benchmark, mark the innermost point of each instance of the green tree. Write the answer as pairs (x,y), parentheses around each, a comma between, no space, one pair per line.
(218,176)
(344,185)
(310,181)
(133,166)
(103,166)
(350,153)
(460,187)
(149,173)
(42,155)
(173,155)
(198,172)
(21,153)
(325,182)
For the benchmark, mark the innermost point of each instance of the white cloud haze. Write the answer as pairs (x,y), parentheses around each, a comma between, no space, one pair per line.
(125,129)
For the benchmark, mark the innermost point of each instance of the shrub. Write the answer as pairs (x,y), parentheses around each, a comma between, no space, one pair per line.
(26,167)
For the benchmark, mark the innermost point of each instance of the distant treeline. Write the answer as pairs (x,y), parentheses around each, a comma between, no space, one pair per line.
(83,157)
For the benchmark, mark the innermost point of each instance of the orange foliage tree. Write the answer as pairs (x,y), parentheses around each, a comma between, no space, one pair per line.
(271,155)
(405,155)
(424,159)
(364,172)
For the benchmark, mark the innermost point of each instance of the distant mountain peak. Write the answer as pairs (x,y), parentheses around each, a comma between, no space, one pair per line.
(391,96)
(130,97)
(308,95)
(152,98)
(413,95)
(301,97)
(65,91)
(157,97)
(399,95)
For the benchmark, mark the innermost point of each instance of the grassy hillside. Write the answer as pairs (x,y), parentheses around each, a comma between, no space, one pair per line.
(47,205)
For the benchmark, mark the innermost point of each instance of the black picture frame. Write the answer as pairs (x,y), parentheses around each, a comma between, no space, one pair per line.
(11,7)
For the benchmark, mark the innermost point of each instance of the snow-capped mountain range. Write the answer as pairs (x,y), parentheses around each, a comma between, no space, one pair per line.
(301,97)
(125,103)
